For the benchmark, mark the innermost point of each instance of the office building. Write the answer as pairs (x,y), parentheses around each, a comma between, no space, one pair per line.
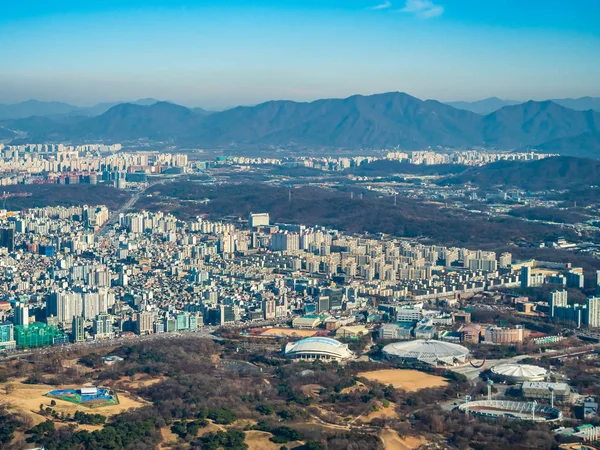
(144,323)
(323,304)
(7,239)
(258,220)
(336,297)
(504,336)
(7,338)
(541,390)
(77,329)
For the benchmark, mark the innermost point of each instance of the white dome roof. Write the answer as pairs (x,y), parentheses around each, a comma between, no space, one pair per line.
(318,346)
(520,371)
(431,351)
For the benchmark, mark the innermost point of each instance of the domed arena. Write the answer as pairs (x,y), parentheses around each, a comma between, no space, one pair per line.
(518,373)
(320,348)
(431,352)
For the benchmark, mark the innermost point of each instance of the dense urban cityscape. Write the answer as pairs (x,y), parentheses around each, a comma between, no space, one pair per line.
(299,225)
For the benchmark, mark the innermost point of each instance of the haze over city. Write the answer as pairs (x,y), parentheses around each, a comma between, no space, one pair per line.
(218,54)
(300,225)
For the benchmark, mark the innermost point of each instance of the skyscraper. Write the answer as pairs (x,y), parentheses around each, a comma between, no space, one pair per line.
(7,238)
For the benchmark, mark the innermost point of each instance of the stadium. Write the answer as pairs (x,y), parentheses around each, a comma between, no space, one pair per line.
(431,352)
(318,348)
(519,373)
(512,410)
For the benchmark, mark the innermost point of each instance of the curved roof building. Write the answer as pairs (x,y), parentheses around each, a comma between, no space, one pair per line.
(431,352)
(321,348)
(520,372)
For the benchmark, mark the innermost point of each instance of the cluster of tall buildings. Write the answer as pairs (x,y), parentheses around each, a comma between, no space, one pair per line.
(587,314)
(84,164)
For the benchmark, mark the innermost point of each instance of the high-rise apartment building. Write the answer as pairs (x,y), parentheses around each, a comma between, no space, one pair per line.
(102,326)
(558,299)
(285,242)
(593,312)
(268,308)
(144,323)
(575,279)
(77,329)
(21,314)
(525,276)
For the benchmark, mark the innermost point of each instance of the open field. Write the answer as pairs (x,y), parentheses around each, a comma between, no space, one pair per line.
(27,398)
(392,441)
(382,413)
(259,440)
(288,332)
(136,381)
(407,379)
(169,438)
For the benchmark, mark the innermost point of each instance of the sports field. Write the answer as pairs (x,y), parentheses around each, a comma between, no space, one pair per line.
(407,379)
(27,398)
(288,332)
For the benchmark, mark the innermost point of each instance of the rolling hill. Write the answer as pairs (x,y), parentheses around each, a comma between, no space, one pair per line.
(558,173)
(489,105)
(533,123)
(485,106)
(584,145)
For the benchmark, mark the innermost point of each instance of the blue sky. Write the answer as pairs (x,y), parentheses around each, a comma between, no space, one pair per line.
(222,53)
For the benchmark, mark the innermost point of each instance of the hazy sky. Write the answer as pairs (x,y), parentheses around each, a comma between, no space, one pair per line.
(218,53)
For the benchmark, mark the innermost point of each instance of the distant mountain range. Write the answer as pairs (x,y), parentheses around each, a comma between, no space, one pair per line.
(375,121)
(30,108)
(489,105)
(36,108)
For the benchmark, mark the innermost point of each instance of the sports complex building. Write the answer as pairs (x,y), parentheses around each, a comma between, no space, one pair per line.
(318,348)
(519,373)
(512,410)
(435,353)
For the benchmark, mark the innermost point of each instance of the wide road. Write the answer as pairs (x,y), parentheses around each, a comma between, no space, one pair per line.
(114,215)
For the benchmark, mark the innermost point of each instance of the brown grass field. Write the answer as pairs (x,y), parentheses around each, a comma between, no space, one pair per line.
(392,441)
(288,332)
(382,413)
(27,398)
(135,382)
(407,379)
(259,440)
